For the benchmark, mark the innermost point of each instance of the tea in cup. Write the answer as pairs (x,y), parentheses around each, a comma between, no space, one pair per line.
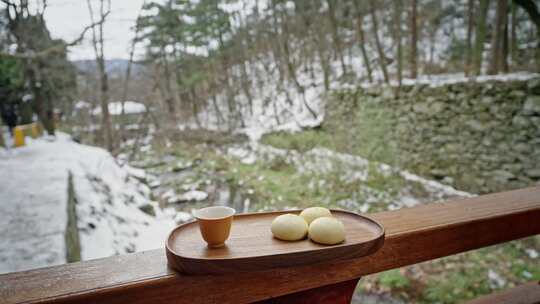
(215,224)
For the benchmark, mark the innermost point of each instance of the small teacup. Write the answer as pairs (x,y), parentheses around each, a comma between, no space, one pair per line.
(215,224)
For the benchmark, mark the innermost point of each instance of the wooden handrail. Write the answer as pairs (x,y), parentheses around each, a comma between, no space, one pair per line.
(413,235)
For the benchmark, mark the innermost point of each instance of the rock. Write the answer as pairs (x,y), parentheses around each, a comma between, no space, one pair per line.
(440,139)
(452,148)
(438,173)
(388,92)
(437,107)
(533,86)
(514,168)
(531,105)
(517,95)
(522,147)
(476,125)
(447,180)
(502,175)
(533,173)
(487,142)
(148,209)
(484,117)
(487,100)
(181,166)
(422,108)
(520,121)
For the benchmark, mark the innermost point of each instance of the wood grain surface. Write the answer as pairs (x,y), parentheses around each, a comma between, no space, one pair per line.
(413,235)
(252,247)
(339,293)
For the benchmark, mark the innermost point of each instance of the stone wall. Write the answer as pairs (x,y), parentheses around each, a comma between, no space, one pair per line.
(480,137)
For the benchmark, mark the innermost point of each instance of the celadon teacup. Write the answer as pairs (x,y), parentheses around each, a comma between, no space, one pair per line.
(215,224)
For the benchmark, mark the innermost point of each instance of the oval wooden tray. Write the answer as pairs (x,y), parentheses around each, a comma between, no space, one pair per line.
(251,245)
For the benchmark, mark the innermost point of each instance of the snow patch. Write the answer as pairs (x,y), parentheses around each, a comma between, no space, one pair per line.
(109,197)
(192,195)
(115,108)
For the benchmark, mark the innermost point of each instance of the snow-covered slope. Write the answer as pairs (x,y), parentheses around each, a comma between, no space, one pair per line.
(33,198)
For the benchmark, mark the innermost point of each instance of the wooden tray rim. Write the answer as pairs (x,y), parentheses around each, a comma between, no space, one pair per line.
(376,239)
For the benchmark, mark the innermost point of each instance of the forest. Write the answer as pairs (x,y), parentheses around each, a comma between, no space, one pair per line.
(266,105)
(220,55)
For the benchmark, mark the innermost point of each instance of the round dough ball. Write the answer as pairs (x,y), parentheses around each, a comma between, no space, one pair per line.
(327,230)
(289,227)
(310,214)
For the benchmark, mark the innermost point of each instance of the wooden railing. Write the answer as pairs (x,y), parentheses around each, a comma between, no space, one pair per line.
(413,235)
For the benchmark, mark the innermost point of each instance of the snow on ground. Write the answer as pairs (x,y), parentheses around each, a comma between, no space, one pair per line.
(271,99)
(115,108)
(33,197)
(274,104)
(351,168)
(447,79)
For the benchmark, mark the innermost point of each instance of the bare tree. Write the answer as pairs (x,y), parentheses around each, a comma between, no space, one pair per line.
(531,8)
(505,47)
(414,39)
(397,32)
(382,58)
(98,45)
(128,73)
(470,27)
(362,39)
(335,33)
(480,37)
(513,34)
(497,37)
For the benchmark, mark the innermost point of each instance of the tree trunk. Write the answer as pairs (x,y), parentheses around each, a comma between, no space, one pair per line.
(171,95)
(397,24)
(195,107)
(105,115)
(98,45)
(382,58)
(128,77)
(335,33)
(504,52)
(532,9)
(169,103)
(480,38)
(470,27)
(286,52)
(414,40)
(40,104)
(319,37)
(245,80)
(362,40)
(513,36)
(497,39)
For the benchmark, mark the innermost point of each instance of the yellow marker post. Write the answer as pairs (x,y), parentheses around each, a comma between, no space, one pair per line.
(18,137)
(35,130)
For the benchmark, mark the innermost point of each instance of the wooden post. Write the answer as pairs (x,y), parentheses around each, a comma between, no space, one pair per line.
(36,132)
(2,141)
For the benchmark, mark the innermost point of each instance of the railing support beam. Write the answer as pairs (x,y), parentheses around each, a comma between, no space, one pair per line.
(339,293)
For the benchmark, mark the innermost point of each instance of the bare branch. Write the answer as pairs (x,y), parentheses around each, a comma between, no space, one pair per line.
(60,47)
